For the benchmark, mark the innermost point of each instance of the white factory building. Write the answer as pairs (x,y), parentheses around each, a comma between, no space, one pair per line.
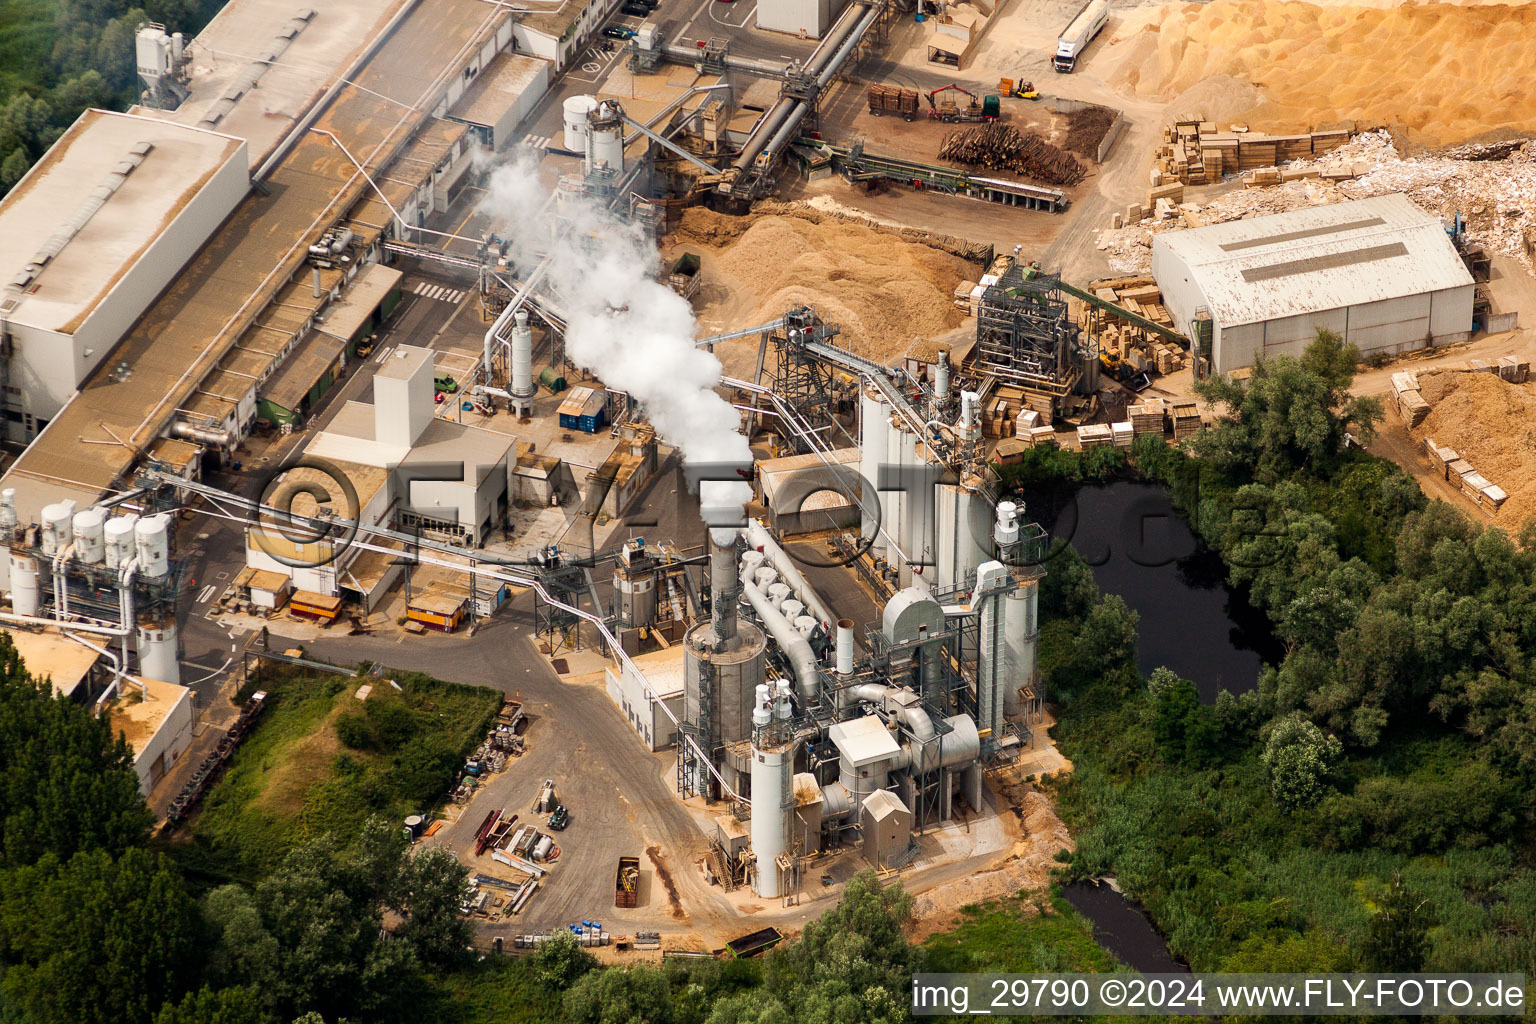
(1380,272)
(88,239)
(804,18)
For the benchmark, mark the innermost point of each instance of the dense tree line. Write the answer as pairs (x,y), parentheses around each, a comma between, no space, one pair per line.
(62,57)
(99,927)
(1368,805)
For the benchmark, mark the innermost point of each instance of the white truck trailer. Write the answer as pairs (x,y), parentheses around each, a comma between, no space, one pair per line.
(1074,39)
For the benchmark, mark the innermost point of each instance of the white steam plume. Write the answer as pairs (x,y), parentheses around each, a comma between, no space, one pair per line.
(624,325)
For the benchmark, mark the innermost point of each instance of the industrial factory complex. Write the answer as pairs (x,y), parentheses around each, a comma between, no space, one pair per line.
(400,331)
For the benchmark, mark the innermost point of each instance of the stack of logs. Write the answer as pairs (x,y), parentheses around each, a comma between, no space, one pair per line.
(1003,147)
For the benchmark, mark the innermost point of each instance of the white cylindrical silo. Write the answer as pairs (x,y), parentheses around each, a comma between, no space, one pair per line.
(1021,633)
(844,647)
(522,384)
(576,109)
(792,609)
(119,535)
(805,625)
(766,576)
(157,650)
(873,420)
(907,505)
(605,138)
(152,541)
(90,535)
(58,526)
(23,584)
(772,769)
(750,563)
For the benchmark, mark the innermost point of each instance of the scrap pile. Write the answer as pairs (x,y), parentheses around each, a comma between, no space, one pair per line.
(1488,414)
(1002,147)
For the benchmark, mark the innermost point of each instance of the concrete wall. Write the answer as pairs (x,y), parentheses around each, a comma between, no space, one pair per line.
(645,715)
(813,17)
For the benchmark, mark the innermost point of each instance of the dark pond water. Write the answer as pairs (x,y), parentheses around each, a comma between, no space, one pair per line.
(1121,927)
(1141,548)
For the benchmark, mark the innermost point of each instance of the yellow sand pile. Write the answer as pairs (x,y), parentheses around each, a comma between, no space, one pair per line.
(882,290)
(1446,72)
(1492,424)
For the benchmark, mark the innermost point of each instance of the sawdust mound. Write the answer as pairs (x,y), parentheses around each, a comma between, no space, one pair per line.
(1492,424)
(1446,72)
(882,290)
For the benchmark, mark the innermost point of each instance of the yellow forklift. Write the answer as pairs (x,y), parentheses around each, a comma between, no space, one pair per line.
(1019,90)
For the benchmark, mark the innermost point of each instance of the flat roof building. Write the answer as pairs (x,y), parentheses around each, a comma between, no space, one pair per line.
(1379,272)
(91,235)
(156,720)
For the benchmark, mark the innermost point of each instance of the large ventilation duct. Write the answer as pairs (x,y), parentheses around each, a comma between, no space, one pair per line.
(758,537)
(845,647)
(203,435)
(795,647)
(523,387)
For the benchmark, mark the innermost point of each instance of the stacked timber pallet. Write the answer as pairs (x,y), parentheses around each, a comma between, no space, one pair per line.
(1514,369)
(1196,153)
(1459,472)
(1186,420)
(891,99)
(1146,418)
(1410,403)
(1123,339)
(1039,437)
(1123,433)
(1095,435)
(1002,147)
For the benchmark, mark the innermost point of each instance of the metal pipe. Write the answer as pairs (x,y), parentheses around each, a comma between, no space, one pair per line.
(203,435)
(795,647)
(758,537)
(82,627)
(117,668)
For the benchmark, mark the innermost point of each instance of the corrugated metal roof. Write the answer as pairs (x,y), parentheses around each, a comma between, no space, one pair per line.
(1325,257)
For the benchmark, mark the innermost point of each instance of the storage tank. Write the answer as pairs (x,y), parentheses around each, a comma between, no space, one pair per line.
(805,625)
(792,609)
(119,535)
(576,109)
(723,682)
(766,576)
(1021,633)
(778,593)
(772,797)
(90,535)
(605,138)
(522,386)
(23,584)
(542,847)
(157,650)
(873,418)
(152,541)
(58,526)
(8,512)
(750,563)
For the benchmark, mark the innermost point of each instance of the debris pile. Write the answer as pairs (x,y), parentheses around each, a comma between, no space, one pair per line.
(1086,128)
(1495,197)
(1002,147)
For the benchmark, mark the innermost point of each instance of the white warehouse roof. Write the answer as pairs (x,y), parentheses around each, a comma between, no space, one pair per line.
(100,196)
(1321,258)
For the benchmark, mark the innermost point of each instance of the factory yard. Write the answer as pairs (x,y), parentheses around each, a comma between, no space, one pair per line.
(590,450)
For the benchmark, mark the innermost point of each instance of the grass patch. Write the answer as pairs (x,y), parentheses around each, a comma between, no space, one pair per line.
(1031,932)
(321,761)
(501,989)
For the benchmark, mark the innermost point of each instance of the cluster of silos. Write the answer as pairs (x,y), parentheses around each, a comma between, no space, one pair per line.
(71,541)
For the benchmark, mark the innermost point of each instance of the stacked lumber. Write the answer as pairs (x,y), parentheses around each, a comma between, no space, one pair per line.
(1095,435)
(1195,153)
(891,99)
(1122,433)
(1186,420)
(1146,418)
(1514,369)
(1410,403)
(1040,437)
(1002,147)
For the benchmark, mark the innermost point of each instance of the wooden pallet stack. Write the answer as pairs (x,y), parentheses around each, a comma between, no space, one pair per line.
(1186,420)
(1410,403)
(1196,153)
(1147,417)
(1095,435)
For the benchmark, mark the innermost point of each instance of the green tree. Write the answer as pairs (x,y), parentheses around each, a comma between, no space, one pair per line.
(1290,414)
(96,940)
(1398,937)
(1107,639)
(431,889)
(14,167)
(631,995)
(209,1006)
(424,769)
(1299,760)
(561,961)
(66,783)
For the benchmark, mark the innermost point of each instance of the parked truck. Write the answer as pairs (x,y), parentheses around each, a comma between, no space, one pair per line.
(684,278)
(626,885)
(891,99)
(1088,22)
